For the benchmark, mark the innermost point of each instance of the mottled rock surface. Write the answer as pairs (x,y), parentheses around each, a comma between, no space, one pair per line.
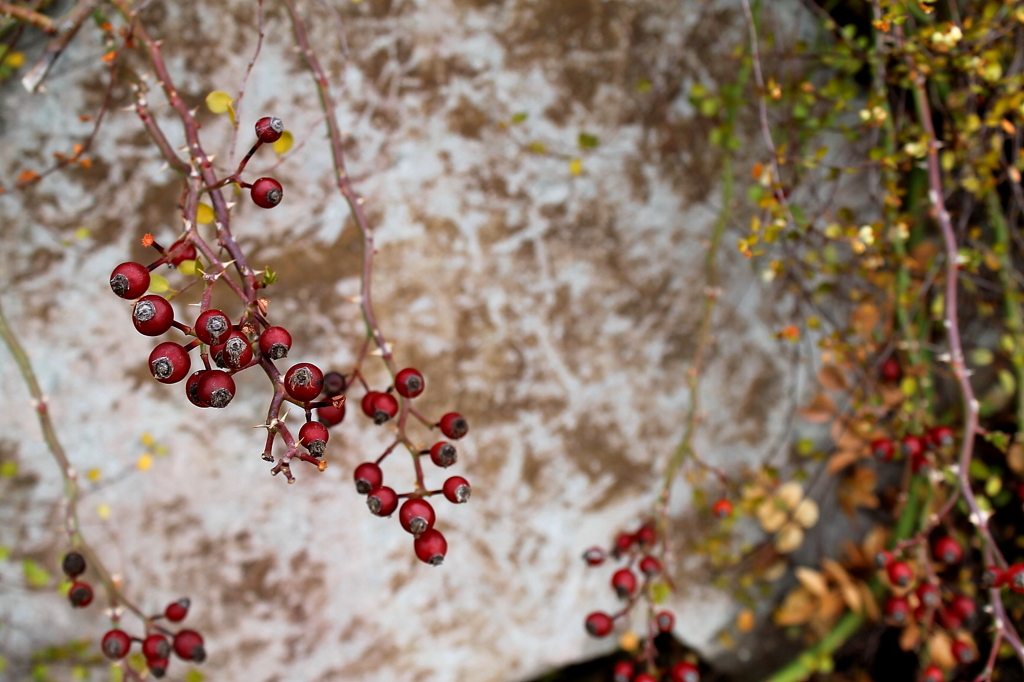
(558,312)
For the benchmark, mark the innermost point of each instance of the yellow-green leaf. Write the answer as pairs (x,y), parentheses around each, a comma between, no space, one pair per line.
(158,283)
(576,167)
(204,214)
(284,143)
(35,575)
(218,102)
(194,675)
(8,469)
(187,267)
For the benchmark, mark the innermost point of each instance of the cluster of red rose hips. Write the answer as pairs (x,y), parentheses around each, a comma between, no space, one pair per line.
(159,641)
(930,604)
(416,514)
(636,550)
(914,448)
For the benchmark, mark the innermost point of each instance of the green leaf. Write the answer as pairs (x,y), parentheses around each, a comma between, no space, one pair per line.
(269,277)
(8,469)
(1007,381)
(194,675)
(519,117)
(35,575)
(5,552)
(981,357)
(997,438)
(587,141)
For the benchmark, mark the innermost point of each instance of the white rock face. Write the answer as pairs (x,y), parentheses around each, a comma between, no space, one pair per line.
(557,312)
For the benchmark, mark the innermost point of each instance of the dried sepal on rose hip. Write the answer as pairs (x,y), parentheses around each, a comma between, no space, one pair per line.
(130,280)
(269,129)
(267,192)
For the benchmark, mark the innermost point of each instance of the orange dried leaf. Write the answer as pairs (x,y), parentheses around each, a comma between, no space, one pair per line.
(832,378)
(85,163)
(745,620)
(819,410)
(812,580)
(797,608)
(841,460)
(940,650)
(871,609)
(790,333)
(864,319)
(910,637)
(832,606)
(756,170)
(27,176)
(108,57)
(77,149)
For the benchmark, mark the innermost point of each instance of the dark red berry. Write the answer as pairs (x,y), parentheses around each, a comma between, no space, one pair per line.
(624,583)
(157,666)
(188,645)
(329,415)
(650,566)
(275,342)
(622,672)
(948,551)
(933,673)
(963,652)
(314,436)
(192,387)
(384,408)
(883,558)
(912,446)
(304,381)
(594,556)
(646,535)
(73,565)
(919,464)
(623,541)
(234,353)
(722,508)
(416,515)
(169,362)
(882,448)
(941,436)
(368,478)
(212,327)
(334,384)
(453,425)
(215,388)
(949,619)
(129,280)
(963,606)
(929,594)
(1014,578)
(182,252)
(897,610)
(599,624)
(267,192)
(900,574)
(382,501)
(409,383)
(442,453)
(116,644)
(685,672)
(664,621)
(269,129)
(367,403)
(891,370)
(456,489)
(156,647)
(993,577)
(177,610)
(645,677)
(80,594)
(152,315)
(430,547)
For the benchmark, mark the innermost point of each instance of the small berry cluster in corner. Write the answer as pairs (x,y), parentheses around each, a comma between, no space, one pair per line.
(159,641)
(638,580)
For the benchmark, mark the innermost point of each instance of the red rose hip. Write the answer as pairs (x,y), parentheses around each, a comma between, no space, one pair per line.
(456,489)
(304,381)
(409,383)
(177,610)
(152,315)
(169,363)
(599,624)
(156,647)
(188,645)
(116,644)
(443,454)
(80,595)
(130,280)
(275,342)
(384,408)
(269,129)
(382,501)
(314,436)
(431,547)
(212,327)
(416,515)
(368,478)
(453,425)
(215,388)
(267,192)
